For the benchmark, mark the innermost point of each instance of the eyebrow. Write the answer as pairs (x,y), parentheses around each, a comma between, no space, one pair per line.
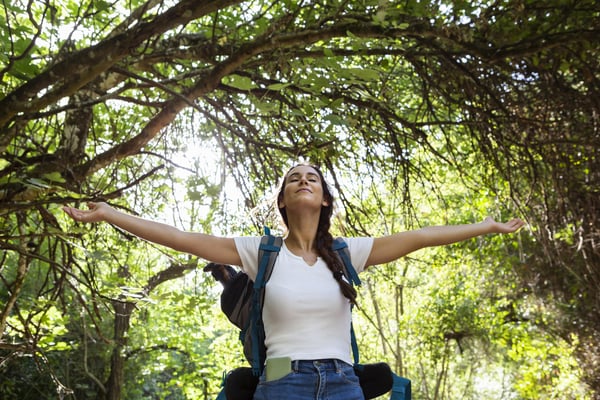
(295,174)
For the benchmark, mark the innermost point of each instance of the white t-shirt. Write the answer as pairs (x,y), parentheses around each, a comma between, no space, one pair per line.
(306,316)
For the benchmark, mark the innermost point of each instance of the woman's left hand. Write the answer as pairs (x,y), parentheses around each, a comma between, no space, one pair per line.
(504,227)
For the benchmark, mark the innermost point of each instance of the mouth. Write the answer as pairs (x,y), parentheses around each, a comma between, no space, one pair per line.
(303,190)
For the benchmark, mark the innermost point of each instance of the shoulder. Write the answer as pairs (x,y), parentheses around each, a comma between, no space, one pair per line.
(247,247)
(359,243)
(247,240)
(360,249)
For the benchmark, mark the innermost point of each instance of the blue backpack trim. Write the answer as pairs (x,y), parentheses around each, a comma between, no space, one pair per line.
(400,388)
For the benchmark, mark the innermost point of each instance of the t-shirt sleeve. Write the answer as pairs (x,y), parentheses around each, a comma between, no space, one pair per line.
(360,249)
(247,247)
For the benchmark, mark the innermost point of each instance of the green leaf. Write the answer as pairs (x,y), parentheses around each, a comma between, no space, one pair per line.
(194,195)
(35,182)
(278,86)
(366,74)
(54,177)
(239,82)
(336,119)
(24,69)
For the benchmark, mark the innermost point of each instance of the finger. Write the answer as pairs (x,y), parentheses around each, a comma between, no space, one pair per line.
(78,215)
(516,223)
(73,213)
(68,210)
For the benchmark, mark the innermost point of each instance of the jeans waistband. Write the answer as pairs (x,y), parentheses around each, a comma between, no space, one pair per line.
(330,364)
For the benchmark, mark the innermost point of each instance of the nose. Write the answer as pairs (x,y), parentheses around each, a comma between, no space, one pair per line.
(303,179)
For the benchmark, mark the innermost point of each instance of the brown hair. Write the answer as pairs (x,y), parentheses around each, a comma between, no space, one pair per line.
(324,240)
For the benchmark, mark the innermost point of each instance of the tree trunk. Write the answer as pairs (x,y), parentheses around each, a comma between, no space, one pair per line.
(114,384)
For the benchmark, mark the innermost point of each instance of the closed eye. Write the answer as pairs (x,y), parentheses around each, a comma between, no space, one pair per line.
(310,177)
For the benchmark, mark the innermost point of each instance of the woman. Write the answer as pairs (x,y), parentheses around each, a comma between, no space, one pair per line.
(306,309)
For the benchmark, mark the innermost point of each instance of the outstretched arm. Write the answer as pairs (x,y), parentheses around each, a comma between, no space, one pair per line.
(212,248)
(389,248)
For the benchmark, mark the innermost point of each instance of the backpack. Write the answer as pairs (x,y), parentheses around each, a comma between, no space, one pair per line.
(242,300)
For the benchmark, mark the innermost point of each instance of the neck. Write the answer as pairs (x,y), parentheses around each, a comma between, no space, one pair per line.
(302,232)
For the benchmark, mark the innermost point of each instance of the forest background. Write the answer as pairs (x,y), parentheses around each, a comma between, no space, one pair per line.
(189,112)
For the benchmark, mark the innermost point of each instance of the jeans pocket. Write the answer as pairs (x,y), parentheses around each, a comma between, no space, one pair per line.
(346,372)
(263,379)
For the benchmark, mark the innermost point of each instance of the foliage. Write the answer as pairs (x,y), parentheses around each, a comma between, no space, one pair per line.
(185,111)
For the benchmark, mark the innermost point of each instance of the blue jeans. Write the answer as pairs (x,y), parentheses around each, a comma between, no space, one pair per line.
(313,380)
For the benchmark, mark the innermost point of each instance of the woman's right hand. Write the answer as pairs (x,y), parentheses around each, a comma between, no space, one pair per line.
(96,212)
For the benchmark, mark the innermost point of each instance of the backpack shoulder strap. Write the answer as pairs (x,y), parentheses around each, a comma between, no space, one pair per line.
(341,248)
(267,254)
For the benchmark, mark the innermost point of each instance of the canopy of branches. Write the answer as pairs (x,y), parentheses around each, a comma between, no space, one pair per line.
(420,112)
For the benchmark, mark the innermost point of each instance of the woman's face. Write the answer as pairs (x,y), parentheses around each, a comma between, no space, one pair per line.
(303,186)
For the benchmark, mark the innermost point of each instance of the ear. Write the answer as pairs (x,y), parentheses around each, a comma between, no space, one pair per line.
(325,203)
